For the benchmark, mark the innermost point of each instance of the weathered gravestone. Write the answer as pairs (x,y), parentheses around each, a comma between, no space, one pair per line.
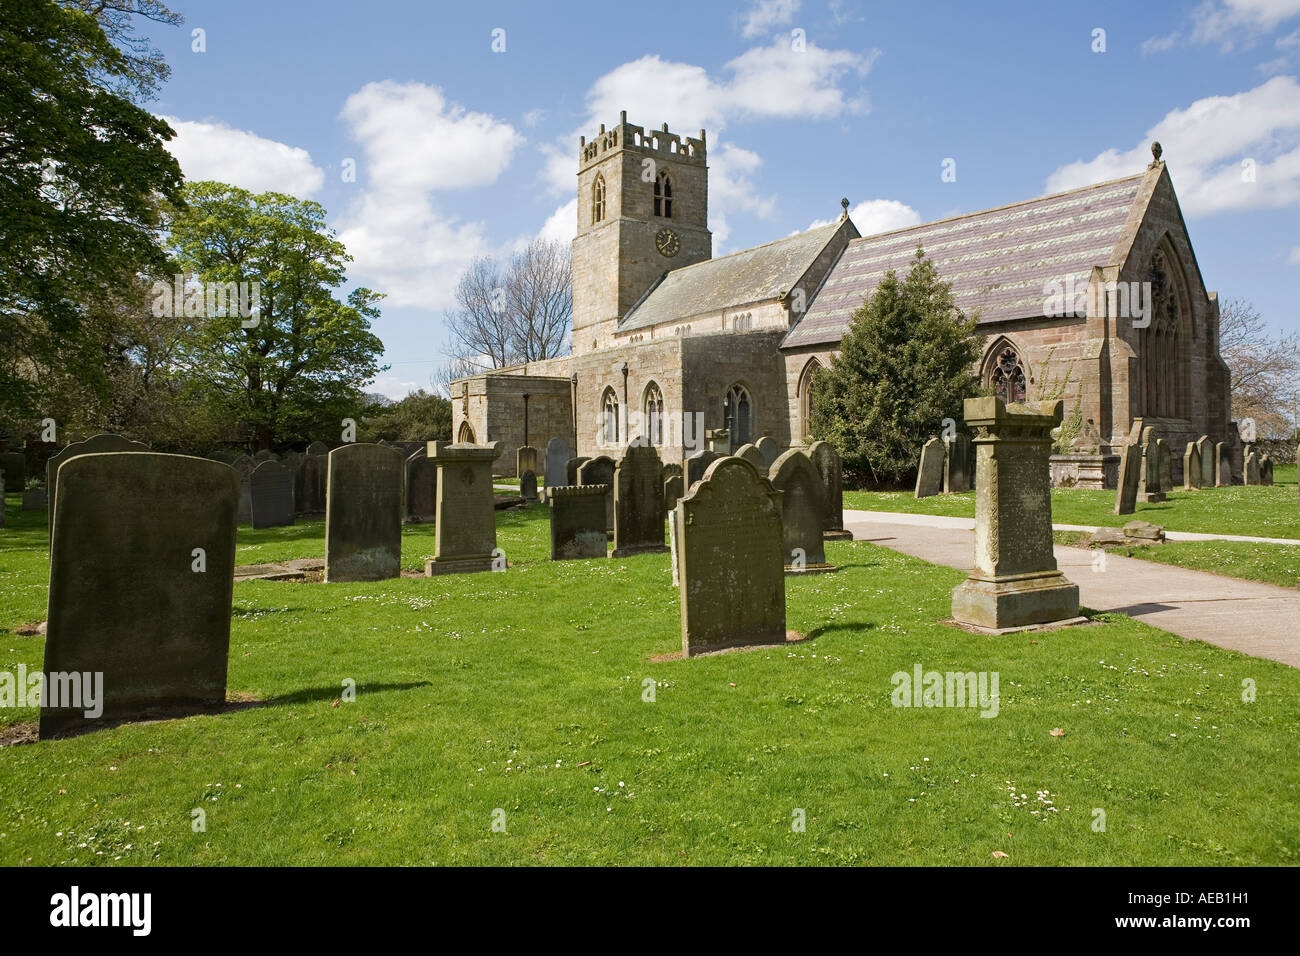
(638,502)
(310,480)
(1164,459)
(929,473)
(1192,467)
(803,511)
(755,457)
(571,469)
(363,513)
(465,538)
(827,461)
(1266,470)
(557,456)
(34,499)
(697,464)
(318,448)
(528,487)
(1222,464)
(14,466)
(769,449)
(271,489)
(1205,448)
(1015,582)
(1130,468)
(94,445)
(1252,469)
(719,440)
(141,575)
(421,487)
(729,560)
(956,463)
(600,471)
(265,455)
(244,465)
(1149,489)
(672,492)
(526,460)
(577,521)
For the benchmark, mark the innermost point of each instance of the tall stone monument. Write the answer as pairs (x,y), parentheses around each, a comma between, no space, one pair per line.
(466,531)
(729,560)
(1192,466)
(1130,477)
(1015,582)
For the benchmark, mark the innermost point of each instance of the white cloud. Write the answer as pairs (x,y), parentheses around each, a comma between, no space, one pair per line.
(1213,147)
(763,15)
(1294,258)
(416,144)
(392,387)
(213,150)
(765,82)
(1228,24)
(562,225)
(875,216)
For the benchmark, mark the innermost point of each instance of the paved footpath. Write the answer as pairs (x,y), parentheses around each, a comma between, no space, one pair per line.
(1247,616)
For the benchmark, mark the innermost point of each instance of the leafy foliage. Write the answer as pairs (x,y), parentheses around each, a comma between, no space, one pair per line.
(298,371)
(81,170)
(421,416)
(905,364)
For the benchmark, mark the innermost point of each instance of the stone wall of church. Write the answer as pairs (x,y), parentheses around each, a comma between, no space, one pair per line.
(714,363)
(494,409)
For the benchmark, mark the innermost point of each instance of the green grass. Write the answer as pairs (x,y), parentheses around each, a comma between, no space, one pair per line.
(1268,512)
(523,691)
(1270,563)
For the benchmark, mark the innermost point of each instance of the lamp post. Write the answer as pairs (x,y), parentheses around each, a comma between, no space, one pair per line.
(525,418)
(573,404)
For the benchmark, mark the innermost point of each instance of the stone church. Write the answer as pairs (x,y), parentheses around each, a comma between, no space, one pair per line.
(1093,293)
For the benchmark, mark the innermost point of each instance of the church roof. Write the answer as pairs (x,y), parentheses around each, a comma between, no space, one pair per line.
(758,274)
(997,260)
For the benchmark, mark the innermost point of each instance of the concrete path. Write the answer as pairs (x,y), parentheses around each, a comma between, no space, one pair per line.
(1247,616)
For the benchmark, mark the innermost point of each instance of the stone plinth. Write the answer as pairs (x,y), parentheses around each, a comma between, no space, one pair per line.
(1085,470)
(465,532)
(1015,582)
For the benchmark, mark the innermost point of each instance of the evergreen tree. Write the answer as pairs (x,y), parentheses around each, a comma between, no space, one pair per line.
(905,364)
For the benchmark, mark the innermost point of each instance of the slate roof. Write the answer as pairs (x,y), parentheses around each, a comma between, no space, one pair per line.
(752,275)
(997,260)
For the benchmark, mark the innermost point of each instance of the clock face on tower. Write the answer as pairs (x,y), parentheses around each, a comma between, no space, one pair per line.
(668,243)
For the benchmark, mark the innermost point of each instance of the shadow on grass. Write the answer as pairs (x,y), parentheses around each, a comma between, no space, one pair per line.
(855,627)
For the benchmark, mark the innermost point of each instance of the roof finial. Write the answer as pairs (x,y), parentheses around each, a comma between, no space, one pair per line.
(845,204)
(1156,150)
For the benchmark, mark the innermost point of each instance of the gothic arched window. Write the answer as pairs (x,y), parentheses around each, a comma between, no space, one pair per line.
(663,195)
(805,394)
(1008,376)
(740,415)
(465,435)
(598,199)
(1162,346)
(652,410)
(609,418)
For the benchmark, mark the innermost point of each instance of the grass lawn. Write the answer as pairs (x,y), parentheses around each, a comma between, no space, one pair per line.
(1270,563)
(523,691)
(1268,512)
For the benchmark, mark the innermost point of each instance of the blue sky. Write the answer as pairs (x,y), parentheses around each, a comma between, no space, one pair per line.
(462,151)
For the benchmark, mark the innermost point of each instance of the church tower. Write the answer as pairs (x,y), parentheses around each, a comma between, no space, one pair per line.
(642,210)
